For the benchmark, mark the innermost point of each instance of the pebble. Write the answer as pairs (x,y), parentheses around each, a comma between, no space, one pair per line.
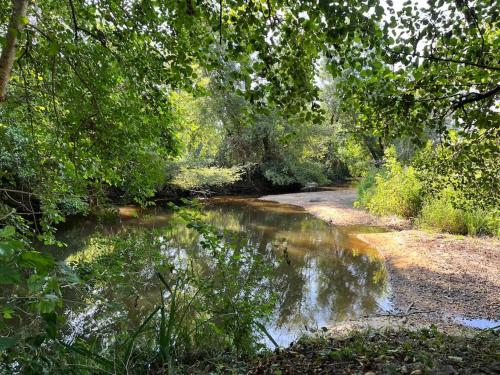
(416,372)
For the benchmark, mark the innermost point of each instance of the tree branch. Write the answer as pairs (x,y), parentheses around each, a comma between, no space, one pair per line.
(475,97)
(463,62)
(220,22)
(73,17)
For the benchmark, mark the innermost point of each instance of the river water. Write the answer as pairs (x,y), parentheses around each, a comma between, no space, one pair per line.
(323,275)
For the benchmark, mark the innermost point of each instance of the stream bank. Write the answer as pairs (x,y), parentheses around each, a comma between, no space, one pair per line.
(437,278)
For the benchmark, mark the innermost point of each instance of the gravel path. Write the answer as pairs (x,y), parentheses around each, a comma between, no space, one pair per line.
(434,277)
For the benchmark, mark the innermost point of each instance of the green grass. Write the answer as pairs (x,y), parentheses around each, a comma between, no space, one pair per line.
(440,213)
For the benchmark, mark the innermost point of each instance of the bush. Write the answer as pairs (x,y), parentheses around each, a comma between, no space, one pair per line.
(395,190)
(355,157)
(205,177)
(365,187)
(483,222)
(440,213)
(431,197)
(288,172)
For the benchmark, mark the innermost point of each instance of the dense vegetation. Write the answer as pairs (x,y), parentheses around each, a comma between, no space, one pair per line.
(123,101)
(427,198)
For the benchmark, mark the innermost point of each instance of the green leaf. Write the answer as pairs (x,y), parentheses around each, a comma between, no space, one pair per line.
(48,303)
(7,342)
(7,312)
(51,321)
(7,232)
(53,49)
(8,247)
(9,275)
(35,259)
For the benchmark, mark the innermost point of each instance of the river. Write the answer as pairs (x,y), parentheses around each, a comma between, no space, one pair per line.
(321,274)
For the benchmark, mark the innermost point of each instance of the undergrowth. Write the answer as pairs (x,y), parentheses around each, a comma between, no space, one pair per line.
(387,352)
(424,198)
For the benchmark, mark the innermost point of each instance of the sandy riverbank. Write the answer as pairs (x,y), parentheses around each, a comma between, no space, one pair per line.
(434,277)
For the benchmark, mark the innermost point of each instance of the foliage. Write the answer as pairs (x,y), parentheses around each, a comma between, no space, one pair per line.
(439,212)
(483,222)
(395,190)
(428,196)
(194,310)
(32,285)
(447,211)
(293,172)
(365,188)
(468,165)
(205,177)
(105,95)
(433,75)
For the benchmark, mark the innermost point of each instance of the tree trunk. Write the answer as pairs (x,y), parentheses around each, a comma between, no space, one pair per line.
(8,55)
(375,147)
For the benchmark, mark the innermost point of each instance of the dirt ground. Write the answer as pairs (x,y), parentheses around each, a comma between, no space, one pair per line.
(434,277)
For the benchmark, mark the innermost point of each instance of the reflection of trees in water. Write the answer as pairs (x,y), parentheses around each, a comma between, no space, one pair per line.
(319,279)
(322,276)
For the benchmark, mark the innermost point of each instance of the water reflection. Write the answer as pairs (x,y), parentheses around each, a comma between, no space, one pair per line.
(322,274)
(328,276)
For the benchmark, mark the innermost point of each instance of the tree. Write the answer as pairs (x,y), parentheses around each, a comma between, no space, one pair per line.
(16,23)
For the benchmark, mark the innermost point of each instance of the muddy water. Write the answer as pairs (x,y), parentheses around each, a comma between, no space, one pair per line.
(323,275)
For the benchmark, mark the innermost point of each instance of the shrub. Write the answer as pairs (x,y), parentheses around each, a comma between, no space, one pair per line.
(395,190)
(483,222)
(288,172)
(355,157)
(440,213)
(205,177)
(365,187)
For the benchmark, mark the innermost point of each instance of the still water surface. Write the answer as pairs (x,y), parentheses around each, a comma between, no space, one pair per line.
(324,275)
